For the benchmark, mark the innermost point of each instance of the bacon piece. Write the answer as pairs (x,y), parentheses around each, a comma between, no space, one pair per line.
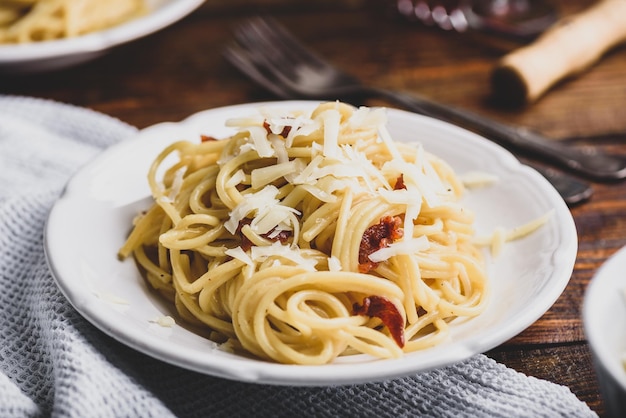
(283,133)
(400,183)
(207,138)
(384,309)
(246,244)
(376,237)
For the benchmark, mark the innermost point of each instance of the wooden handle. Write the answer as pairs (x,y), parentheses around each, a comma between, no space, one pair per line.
(572,45)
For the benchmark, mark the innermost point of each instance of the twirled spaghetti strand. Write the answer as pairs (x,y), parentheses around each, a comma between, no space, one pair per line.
(308,236)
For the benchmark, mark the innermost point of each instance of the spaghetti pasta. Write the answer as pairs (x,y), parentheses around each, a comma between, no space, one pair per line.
(311,235)
(23,21)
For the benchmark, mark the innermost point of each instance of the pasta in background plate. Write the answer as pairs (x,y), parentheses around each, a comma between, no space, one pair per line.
(308,236)
(24,21)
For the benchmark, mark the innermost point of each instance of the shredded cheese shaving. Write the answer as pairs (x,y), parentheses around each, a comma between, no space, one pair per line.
(165,321)
(500,235)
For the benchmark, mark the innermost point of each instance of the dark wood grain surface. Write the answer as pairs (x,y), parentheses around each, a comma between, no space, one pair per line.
(180,70)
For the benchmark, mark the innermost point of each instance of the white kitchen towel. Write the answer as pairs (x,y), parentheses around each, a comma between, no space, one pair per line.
(55,363)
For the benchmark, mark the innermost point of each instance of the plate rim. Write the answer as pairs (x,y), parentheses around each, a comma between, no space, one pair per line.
(274,373)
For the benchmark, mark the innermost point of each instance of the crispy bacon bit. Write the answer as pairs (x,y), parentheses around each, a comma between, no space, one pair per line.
(384,309)
(376,237)
(207,138)
(246,244)
(399,183)
(283,133)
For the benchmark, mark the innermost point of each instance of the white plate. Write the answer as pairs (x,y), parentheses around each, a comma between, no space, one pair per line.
(56,54)
(604,320)
(91,220)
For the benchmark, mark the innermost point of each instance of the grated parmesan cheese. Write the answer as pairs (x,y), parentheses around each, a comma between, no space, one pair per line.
(306,176)
(331,167)
(262,145)
(259,254)
(391,146)
(368,117)
(164,321)
(244,121)
(477,179)
(278,122)
(276,217)
(371,175)
(280,148)
(262,203)
(240,255)
(411,214)
(334,264)
(305,129)
(407,246)
(416,179)
(111,298)
(331,119)
(401,196)
(319,193)
(265,175)
(238,177)
(227,347)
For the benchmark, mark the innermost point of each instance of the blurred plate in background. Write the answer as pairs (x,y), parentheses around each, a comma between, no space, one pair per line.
(62,53)
(604,317)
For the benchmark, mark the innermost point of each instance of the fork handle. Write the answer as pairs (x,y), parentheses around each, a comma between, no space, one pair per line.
(568,48)
(590,163)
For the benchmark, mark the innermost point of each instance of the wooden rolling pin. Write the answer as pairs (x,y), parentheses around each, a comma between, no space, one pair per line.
(569,47)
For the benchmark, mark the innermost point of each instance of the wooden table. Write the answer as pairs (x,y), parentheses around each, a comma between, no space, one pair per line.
(179,71)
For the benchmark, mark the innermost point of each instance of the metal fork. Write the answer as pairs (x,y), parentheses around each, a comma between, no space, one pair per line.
(266,52)
(270,55)
(279,63)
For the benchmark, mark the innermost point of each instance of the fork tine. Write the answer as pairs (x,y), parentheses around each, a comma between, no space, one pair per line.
(272,53)
(257,38)
(273,57)
(279,34)
(240,58)
(282,47)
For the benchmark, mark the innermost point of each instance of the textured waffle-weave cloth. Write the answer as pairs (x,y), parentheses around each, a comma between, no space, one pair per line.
(55,363)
